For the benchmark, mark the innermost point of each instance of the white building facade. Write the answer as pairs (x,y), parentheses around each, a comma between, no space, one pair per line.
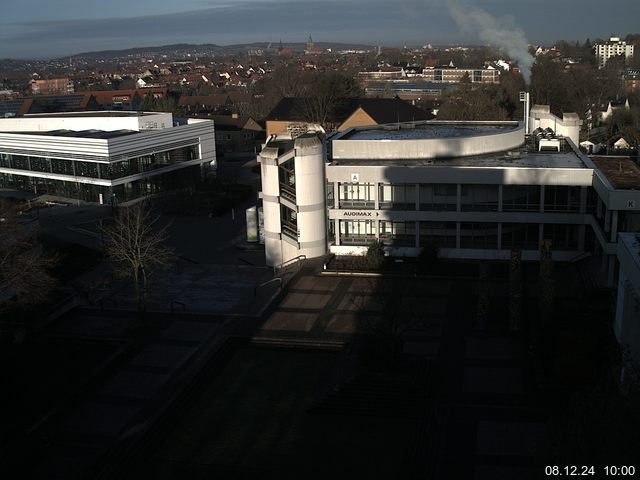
(473,190)
(104,156)
(613,48)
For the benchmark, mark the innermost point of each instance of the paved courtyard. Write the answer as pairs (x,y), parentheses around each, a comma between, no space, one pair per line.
(491,426)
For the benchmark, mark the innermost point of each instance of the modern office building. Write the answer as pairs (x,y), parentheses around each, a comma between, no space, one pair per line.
(53,86)
(627,323)
(613,48)
(104,156)
(446,74)
(473,190)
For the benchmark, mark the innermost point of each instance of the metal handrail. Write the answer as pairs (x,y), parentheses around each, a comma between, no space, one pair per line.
(290,261)
(277,279)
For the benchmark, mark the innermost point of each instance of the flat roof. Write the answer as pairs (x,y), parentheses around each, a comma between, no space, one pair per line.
(527,159)
(100,134)
(423,131)
(622,172)
(106,113)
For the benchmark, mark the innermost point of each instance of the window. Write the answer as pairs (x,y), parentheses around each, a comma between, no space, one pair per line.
(479,235)
(592,200)
(561,199)
(289,222)
(438,234)
(520,235)
(357,232)
(397,197)
(398,234)
(438,196)
(62,167)
(356,195)
(330,195)
(19,162)
(39,164)
(287,179)
(563,237)
(86,169)
(479,198)
(521,198)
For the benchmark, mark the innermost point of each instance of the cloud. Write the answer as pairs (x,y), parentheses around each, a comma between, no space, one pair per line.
(242,22)
(40,29)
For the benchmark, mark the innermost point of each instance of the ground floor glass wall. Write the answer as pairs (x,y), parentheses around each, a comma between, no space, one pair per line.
(467,235)
(91,193)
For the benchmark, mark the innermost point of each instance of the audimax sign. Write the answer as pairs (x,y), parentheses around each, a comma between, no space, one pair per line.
(360,214)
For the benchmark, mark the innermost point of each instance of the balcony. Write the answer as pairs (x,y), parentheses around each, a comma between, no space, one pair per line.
(288,192)
(290,230)
(347,239)
(362,204)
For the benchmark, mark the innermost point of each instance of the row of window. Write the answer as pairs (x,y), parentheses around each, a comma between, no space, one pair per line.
(444,234)
(105,171)
(91,193)
(444,197)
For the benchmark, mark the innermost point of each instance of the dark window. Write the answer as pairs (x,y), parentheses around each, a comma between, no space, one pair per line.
(521,198)
(62,167)
(479,235)
(398,234)
(86,169)
(561,199)
(563,237)
(39,164)
(397,197)
(289,222)
(438,234)
(479,198)
(438,197)
(19,162)
(520,235)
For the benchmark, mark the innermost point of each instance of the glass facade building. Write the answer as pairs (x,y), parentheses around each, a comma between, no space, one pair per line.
(104,166)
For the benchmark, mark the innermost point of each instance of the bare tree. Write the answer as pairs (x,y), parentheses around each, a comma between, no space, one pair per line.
(135,243)
(24,276)
(325,97)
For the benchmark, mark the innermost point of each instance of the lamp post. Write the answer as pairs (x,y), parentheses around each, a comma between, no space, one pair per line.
(524,97)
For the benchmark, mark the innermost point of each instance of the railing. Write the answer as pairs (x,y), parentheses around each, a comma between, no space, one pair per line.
(356,239)
(277,279)
(289,262)
(365,204)
(290,229)
(288,192)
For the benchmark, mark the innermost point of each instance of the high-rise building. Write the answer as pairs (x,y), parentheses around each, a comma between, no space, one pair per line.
(613,48)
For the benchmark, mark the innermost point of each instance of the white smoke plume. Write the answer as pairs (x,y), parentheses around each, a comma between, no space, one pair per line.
(498,32)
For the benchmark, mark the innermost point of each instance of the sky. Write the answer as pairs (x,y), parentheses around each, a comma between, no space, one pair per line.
(56,28)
